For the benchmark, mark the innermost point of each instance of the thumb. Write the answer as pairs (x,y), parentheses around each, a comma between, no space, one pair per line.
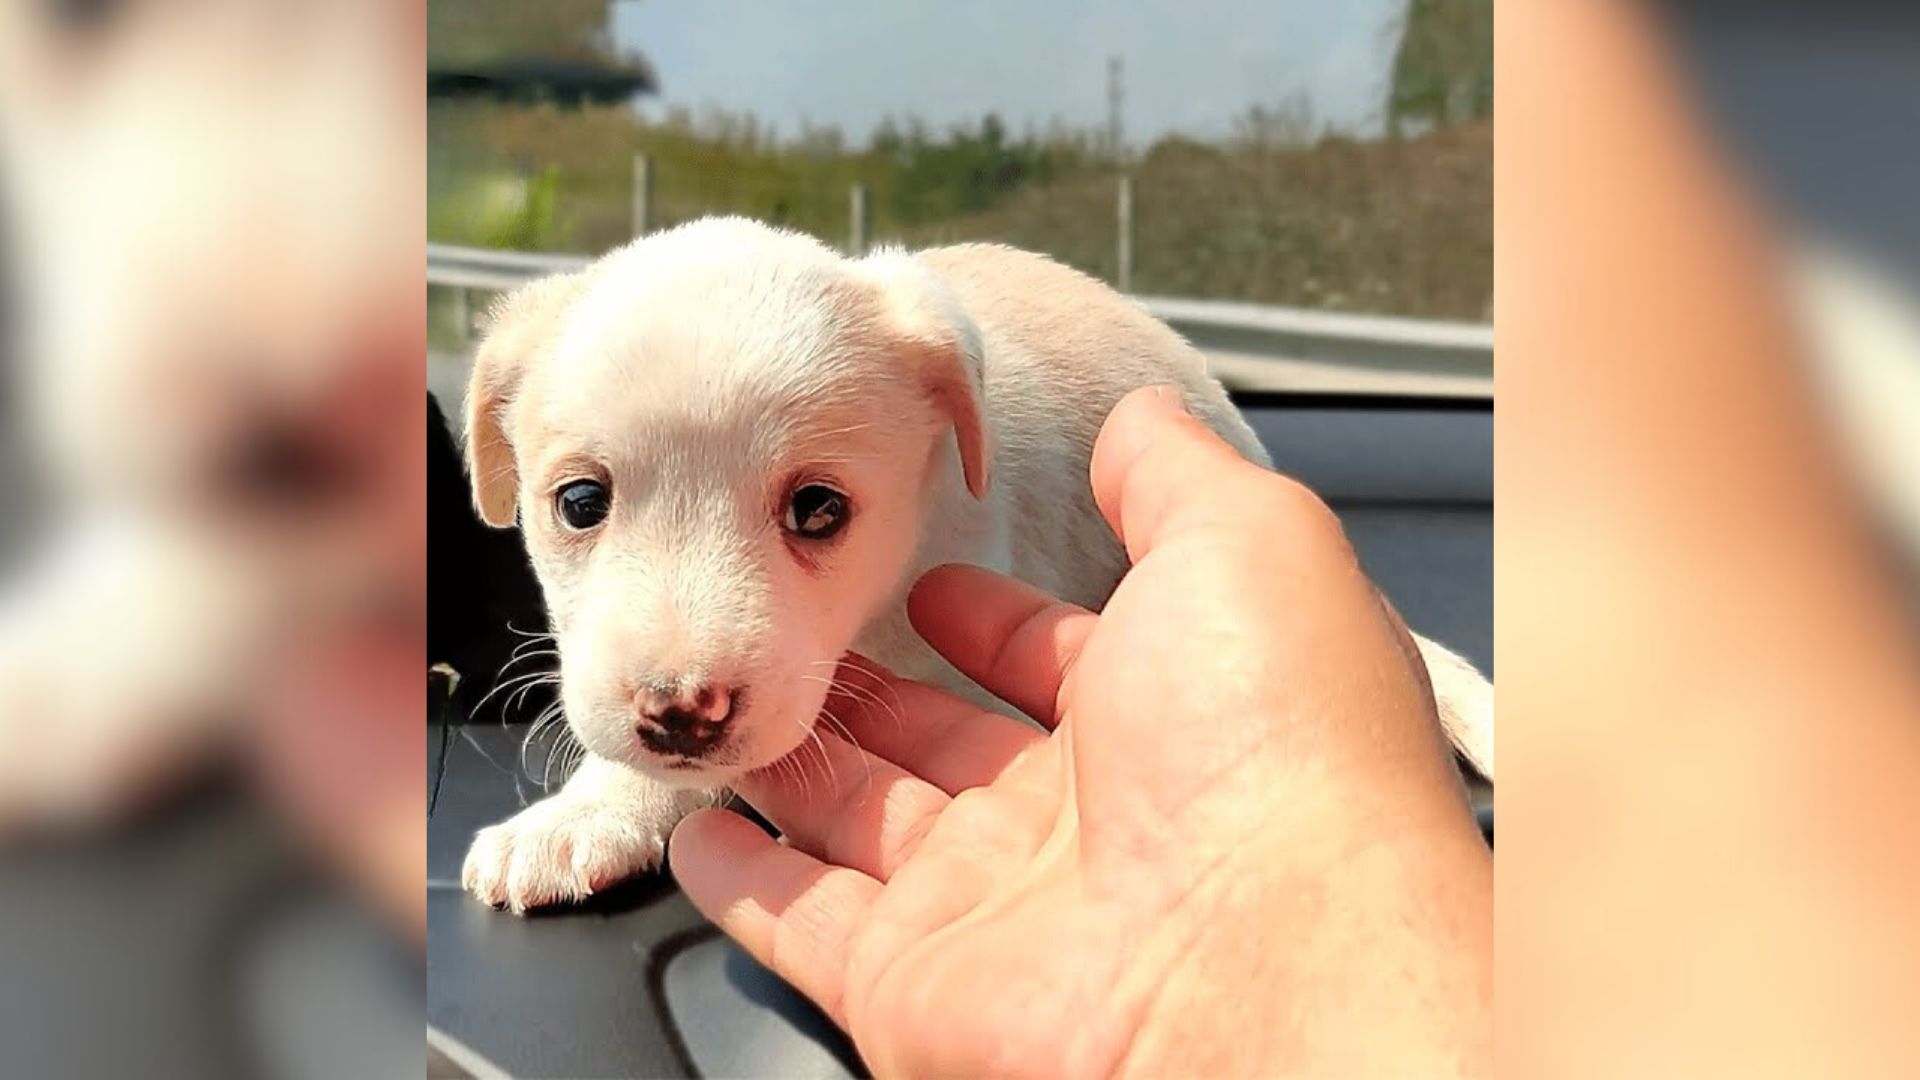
(1157,467)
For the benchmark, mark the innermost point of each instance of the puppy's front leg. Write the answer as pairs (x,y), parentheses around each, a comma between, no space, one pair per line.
(607,823)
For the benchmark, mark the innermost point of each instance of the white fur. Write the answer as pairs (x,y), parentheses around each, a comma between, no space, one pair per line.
(955,394)
(605,822)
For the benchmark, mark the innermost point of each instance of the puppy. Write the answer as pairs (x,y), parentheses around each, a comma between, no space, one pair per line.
(732,450)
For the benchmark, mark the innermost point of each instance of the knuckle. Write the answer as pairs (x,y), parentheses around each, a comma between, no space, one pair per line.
(973,812)
(1303,511)
(907,842)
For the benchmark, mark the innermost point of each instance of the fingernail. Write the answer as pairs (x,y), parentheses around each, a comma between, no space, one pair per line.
(1169,397)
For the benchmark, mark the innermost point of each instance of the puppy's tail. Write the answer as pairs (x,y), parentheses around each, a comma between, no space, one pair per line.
(1465,700)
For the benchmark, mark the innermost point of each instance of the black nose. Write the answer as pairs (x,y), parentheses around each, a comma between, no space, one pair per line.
(686,723)
(681,732)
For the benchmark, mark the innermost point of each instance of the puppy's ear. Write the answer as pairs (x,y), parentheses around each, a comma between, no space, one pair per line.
(926,325)
(519,326)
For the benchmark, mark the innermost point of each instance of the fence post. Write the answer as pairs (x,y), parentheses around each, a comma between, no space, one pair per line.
(857,212)
(463,313)
(1123,235)
(642,194)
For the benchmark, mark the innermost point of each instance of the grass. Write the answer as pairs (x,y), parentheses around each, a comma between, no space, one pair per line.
(1401,227)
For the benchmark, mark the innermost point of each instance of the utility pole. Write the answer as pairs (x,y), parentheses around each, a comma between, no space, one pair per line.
(642,195)
(1123,194)
(860,224)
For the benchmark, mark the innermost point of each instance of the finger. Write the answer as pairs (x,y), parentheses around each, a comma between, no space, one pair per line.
(785,908)
(1156,467)
(831,799)
(1011,638)
(1403,637)
(948,742)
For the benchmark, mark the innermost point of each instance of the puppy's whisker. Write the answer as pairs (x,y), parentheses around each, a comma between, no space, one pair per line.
(899,706)
(526,676)
(832,724)
(521,656)
(862,694)
(811,743)
(519,698)
(841,728)
(526,746)
(880,678)
(789,766)
(521,676)
(508,684)
(571,755)
(516,693)
(795,770)
(832,686)
(802,777)
(532,640)
(549,720)
(833,778)
(527,649)
(838,727)
(795,775)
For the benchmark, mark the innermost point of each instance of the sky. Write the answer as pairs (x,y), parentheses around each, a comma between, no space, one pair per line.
(851,62)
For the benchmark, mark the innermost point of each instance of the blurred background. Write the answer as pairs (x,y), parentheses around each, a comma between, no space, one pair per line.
(1297,157)
(1708,569)
(1305,189)
(212,589)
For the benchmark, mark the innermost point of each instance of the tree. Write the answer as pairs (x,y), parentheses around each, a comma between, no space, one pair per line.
(1443,68)
(1286,125)
(470,31)
(508,49)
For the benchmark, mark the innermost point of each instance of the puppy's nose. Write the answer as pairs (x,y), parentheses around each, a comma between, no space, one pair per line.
(688,723)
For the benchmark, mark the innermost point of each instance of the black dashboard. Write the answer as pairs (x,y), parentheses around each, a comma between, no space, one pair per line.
(638,984)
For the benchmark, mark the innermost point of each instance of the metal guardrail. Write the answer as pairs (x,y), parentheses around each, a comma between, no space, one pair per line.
(1248,346)
(493,270)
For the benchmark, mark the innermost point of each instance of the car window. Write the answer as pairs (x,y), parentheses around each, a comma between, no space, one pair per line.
(1304,189)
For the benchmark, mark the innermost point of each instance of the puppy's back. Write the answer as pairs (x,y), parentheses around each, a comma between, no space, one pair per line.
(1067,345)
(1061,349)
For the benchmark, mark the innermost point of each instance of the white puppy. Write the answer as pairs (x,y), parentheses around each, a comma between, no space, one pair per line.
(732,450)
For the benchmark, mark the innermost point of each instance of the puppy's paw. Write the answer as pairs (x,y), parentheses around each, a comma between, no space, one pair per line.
(563,850)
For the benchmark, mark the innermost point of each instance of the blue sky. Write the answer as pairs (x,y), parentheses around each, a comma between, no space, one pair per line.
(1190,67)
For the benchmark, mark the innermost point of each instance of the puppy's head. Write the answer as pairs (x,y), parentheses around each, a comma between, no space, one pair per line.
(720,444)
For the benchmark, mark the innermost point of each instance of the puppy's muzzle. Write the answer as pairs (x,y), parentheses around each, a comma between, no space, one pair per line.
(685,724)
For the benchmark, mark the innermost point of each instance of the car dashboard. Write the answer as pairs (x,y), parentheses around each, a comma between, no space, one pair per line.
(637,983)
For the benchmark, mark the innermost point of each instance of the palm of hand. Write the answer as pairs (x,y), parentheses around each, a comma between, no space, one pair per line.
(968,895)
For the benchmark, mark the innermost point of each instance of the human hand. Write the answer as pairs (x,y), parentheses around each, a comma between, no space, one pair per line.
(1242,849)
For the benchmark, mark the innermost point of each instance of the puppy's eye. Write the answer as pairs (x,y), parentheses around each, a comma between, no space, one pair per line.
(583,503)
(815,512)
